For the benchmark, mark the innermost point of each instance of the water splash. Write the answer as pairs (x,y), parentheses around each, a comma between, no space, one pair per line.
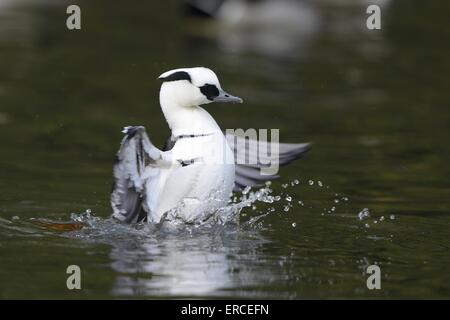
(243,211)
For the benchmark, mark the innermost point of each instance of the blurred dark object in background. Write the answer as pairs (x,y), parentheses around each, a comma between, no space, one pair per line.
(275,28)
(203,8)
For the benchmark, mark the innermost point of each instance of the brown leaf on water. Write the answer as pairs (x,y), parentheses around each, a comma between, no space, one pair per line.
(67,226)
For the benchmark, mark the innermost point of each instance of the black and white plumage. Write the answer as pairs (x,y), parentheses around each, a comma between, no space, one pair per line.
(196,172)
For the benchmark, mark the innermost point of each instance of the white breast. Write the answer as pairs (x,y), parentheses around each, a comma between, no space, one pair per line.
(197,189)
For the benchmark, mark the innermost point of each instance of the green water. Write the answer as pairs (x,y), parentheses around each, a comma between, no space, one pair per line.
(376,105)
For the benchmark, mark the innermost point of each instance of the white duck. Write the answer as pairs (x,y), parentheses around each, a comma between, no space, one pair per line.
(195,173)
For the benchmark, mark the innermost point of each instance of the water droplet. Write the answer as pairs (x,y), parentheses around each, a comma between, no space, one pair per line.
(268,199)
(284,185)
(344,198)
(301,203)
(288,198)
(294,224)
(286,208)
(310,182)
(246,190)
(296,181)
(277,198)
(320,183)
(392,217)
(364,214)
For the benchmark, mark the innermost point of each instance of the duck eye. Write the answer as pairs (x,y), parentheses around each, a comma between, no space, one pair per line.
(210,91)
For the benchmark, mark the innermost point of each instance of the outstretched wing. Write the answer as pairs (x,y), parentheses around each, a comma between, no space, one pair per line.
(254,157)
(136,158)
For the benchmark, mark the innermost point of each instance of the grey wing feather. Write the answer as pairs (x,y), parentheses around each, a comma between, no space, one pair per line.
(250,172)
(128,195)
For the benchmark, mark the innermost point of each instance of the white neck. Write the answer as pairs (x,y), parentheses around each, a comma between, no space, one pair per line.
(185,120)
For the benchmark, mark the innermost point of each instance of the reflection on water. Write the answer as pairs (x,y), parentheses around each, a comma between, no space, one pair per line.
(167,259)
(375,105)
(194,264)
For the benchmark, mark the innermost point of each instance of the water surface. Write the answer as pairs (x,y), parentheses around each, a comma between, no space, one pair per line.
(375,105)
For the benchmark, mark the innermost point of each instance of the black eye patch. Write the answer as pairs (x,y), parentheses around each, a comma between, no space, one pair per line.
(210,91)
(180,75)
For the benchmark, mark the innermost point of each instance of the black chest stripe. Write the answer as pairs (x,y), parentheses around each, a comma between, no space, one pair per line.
(185,163)
(185,136)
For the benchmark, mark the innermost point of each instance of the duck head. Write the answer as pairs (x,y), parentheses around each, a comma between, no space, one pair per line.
(188,87)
